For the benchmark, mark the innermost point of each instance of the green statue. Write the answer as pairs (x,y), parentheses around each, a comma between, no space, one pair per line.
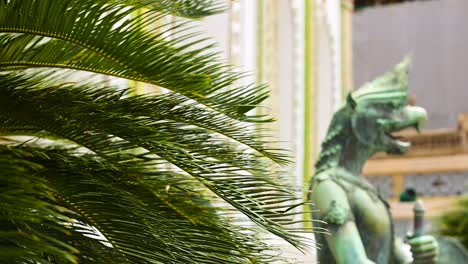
(356,216)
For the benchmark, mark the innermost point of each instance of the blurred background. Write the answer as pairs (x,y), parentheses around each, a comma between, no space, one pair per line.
(313,52)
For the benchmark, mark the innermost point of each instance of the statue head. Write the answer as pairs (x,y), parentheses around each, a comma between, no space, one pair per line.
(381,108)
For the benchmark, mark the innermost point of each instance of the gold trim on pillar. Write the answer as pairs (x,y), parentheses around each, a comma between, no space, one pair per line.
(347,8)
(140,87)
(310,93)
(234,29)
(268,58)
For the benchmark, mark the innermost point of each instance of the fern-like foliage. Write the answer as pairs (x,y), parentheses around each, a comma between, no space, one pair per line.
(91,174)
(455,222)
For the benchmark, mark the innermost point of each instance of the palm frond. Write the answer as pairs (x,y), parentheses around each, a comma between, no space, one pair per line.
(132,179)
(151,230)
(96,119)
(28,201)
(86,37)
(184,8)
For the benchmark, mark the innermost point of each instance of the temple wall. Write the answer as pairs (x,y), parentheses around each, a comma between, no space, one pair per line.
(435,34)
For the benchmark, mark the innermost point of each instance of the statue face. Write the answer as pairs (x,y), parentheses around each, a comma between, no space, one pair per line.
(380,108)
(376,124)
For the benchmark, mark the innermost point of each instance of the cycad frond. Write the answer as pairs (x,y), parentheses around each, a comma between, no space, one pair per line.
(86,36)
(27,201)
(184,8)
(148,171)
(98,120)
(151,230)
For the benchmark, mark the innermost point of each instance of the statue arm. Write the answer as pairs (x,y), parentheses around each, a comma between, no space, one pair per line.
(344,240)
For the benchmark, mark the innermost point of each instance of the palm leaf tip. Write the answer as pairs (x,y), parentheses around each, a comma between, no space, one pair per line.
(193,9)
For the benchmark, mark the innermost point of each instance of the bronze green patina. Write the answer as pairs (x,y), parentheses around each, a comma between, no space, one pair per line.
(357,217)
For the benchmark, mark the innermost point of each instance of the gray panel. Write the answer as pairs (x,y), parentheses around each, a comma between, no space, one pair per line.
(446,184)
(435,33)
(403,227)
(383,185)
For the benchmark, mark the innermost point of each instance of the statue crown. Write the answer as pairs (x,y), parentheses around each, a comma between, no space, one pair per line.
(392,87)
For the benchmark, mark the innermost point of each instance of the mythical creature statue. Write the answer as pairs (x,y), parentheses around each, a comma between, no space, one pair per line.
(356,216)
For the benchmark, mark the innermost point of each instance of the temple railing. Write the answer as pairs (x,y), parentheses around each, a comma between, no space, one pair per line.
(440,156)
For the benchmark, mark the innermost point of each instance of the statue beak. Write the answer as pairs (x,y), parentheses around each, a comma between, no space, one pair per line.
(418,115)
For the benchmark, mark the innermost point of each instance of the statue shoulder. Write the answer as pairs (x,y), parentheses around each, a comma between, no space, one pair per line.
(330,198)
(333,174)
(324,181)
(322,176)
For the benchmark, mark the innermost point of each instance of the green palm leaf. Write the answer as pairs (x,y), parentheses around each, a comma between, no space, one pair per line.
(71,113)
(91,41)
(106,177)
(151,230)
(184,8)
(26,202)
